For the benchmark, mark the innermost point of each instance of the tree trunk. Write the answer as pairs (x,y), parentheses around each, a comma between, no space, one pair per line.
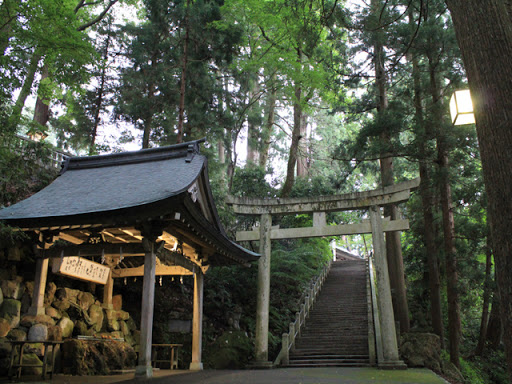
(302,153)
(253,131)
(100,95)
(484,33)
(15,117)
(42,109)
(183,80)
(486,299)
(292,158)
(445,192)
(423,134)
(494,328)
(266,132)
(393,243)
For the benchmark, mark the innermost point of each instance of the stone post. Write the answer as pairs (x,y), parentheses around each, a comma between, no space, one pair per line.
(144,368)
(385,305)
(197,322)
(286,349)
(319,219)
(262,305)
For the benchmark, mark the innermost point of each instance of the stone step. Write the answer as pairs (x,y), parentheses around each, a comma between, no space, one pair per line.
(313,364)
(336,330)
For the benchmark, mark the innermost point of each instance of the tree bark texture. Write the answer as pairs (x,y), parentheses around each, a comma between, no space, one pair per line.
(292,158)
(302,154)
(445,193)
(42,109)
(486,301)
(423,134)
(99,98)
(15,117)
(484,33)
(393,242)
(494,328)
(253,130)
(266,132)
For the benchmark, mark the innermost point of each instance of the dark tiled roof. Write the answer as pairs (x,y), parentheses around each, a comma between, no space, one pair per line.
(122,188)
(111,182)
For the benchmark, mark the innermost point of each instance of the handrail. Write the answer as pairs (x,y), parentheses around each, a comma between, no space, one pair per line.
(376,318)
(288,339)
(54,160)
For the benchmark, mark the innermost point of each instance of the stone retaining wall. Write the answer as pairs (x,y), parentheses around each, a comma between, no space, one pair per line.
(68,313)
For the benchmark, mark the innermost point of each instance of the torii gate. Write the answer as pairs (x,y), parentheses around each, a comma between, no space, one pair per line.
(318,206)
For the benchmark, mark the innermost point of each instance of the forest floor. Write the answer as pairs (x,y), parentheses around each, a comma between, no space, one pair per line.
(280,376)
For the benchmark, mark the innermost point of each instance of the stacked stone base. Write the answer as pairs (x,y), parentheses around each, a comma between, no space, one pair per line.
(67,313)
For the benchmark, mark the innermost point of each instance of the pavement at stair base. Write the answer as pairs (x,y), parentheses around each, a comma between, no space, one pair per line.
(332,375)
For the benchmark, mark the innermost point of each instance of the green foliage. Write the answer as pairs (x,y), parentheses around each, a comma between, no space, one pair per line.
(22,168)
(251,182)
(232,350)
(471,373)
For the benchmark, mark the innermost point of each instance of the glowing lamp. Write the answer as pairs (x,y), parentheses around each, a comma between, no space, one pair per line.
(461,108)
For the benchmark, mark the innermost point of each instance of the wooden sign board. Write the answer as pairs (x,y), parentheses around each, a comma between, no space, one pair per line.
(82,269)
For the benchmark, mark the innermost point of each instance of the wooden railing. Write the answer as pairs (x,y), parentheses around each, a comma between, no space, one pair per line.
(288,339)
(46,156)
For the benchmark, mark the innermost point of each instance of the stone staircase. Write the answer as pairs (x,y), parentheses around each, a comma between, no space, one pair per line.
(336,331)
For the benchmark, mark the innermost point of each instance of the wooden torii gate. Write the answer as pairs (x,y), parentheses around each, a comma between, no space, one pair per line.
(372,201)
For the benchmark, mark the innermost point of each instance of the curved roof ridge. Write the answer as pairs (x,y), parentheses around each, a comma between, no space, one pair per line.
(188,149)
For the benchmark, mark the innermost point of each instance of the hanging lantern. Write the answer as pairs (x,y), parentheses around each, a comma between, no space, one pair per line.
(461,108)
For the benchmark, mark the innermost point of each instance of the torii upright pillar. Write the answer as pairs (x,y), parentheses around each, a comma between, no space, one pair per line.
(389,344)
(263,299)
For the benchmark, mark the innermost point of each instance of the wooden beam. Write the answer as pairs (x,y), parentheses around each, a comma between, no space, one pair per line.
(130,232)
(131,249)
(179,260)
(329,230)
(393,194)
(161,270)
(114,236)
(69,238)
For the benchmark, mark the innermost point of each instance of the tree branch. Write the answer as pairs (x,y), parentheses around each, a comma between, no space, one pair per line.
(99,17)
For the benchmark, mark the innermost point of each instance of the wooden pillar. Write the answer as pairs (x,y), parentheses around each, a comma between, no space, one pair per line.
(37,307)
(263,299)
(144,368)
(385,305)
(197,322)
(108,291)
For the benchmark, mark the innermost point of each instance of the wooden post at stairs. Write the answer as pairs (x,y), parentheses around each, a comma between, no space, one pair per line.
(387,320)
(262,306)
(144,368)
(197,322)
(37,307)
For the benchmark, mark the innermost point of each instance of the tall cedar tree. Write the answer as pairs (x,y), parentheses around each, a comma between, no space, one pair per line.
(484,32)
